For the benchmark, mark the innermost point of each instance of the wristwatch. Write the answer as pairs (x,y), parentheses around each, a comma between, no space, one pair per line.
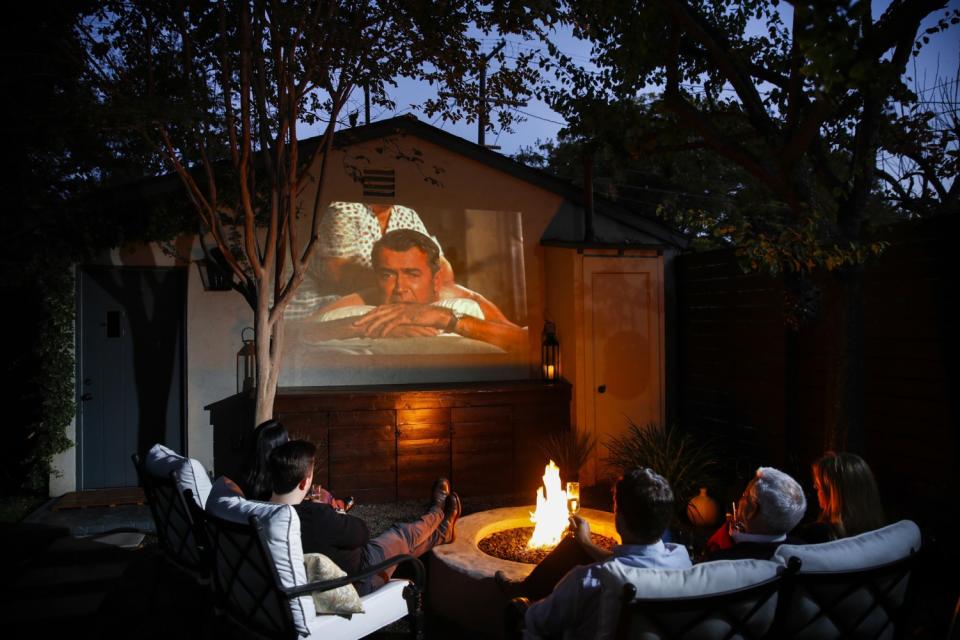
(452,324)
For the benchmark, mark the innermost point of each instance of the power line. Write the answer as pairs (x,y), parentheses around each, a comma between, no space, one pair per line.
(562,124)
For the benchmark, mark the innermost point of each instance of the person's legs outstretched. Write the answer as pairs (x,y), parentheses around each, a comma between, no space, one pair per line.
(437,526)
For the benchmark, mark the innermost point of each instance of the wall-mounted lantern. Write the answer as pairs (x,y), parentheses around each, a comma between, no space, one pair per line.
(247,362)
(212,273)
(550,353)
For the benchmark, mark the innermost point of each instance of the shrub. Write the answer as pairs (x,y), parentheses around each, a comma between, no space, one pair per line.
(685,461)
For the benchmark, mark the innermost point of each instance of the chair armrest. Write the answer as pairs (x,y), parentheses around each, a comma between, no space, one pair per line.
(326,585)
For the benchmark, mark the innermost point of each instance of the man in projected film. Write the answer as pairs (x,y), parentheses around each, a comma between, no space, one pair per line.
(411,300)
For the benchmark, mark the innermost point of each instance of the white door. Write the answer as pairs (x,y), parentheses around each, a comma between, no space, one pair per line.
(623,347)
(131,345)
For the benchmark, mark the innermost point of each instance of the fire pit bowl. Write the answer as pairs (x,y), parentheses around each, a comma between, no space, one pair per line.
(461,585)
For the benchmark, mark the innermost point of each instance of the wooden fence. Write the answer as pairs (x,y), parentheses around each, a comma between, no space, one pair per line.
(734,377)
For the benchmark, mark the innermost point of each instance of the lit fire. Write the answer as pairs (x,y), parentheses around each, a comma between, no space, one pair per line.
(551,517)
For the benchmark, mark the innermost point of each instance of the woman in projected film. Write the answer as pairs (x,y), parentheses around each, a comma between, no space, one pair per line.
(343,263)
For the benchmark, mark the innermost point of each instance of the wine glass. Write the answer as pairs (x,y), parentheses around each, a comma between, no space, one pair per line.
(573,498)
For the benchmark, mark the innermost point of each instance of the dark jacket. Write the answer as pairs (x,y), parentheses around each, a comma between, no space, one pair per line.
(338,536)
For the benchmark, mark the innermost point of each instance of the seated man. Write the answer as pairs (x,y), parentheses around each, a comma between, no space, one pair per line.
(643,506)
(411,300)
(344,538)
(770,507)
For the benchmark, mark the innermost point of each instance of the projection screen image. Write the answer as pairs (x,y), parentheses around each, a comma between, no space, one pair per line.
(396,295)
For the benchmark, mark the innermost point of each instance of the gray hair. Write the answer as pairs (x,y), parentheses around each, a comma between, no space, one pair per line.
(781,499)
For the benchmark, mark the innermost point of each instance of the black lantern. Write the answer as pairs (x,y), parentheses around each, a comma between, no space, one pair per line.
(550,353)
(247,362)
(214,272)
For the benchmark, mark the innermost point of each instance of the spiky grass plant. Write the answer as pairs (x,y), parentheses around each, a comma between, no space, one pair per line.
(686,462)
(570,449)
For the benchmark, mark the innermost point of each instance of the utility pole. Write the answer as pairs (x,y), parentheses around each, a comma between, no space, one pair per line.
(366,102)
(482,107)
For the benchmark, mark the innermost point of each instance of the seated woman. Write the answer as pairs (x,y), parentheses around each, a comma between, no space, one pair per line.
(848,497)
(255,479)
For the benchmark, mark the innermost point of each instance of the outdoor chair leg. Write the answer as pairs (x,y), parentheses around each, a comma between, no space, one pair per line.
(414,598)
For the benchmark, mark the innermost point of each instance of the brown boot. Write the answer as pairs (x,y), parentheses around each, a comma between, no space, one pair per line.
(451,511)
(439,493)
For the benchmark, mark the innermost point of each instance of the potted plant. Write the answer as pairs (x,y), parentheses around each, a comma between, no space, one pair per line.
(570,449)
(688,463)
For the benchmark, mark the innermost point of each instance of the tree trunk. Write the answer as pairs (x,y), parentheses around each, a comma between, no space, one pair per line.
(267,362)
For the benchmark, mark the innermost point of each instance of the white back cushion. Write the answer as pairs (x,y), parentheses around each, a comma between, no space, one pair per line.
(866,550)
(833,610)
(282,528)
(190,474)
(707,578)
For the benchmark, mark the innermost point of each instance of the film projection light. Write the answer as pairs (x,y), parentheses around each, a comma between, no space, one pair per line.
(247,362)
(550,353)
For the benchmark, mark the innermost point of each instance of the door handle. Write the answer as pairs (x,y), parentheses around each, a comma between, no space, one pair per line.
(602,388)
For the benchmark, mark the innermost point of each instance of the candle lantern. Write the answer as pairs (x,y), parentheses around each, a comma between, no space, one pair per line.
(247,362)
(550,353)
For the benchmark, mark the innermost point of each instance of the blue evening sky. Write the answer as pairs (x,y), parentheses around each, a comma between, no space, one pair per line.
(936,64)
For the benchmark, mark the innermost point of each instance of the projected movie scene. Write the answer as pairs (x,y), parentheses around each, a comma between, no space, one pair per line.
(397,294)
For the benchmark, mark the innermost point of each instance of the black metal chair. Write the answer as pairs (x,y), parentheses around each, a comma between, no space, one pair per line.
(175,528)
(250,594)
(746,613)
(865,603)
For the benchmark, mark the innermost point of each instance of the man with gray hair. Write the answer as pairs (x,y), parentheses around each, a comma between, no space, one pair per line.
(770,507)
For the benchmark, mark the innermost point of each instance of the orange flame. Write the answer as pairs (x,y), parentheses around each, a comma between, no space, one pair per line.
(551,517)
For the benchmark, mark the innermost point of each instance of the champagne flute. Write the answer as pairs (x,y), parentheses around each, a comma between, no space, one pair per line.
(573,498)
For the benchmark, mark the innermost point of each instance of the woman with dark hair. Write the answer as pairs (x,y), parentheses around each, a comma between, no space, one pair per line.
(848,496)
(256,477)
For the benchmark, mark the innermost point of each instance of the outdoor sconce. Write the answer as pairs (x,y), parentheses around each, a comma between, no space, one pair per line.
(550,353)
(247,363)
(212,274)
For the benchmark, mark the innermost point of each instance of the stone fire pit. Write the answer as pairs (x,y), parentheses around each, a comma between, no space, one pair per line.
(461,585)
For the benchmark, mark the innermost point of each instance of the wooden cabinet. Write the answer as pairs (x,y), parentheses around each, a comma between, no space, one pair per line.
(387,443)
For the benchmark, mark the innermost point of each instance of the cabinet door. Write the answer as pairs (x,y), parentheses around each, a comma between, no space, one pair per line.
(483,450)
(423,450)
(363,455)
(623,346)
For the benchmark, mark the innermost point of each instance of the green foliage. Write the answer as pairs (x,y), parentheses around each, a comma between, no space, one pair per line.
(69,196)
(570,449)
(13,509)
(801,109)
(687,462)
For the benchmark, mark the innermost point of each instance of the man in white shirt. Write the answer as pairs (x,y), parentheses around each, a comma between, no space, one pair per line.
(643,506)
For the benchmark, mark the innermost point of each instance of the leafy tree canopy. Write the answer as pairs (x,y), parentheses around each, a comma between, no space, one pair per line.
(796,96)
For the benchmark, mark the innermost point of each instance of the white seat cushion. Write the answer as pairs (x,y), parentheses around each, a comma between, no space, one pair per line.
(707,578)
(282,528)
(866,550)
(189,473)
